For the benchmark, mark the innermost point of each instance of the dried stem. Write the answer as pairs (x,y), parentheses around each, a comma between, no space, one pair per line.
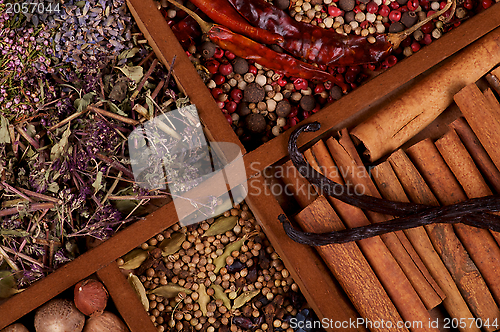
(27,137)
(113,115)
(23,256)
(31,208)
(113,186)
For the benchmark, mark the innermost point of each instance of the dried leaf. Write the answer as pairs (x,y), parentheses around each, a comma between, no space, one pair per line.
(219,294)
(134,259)
(128,53)
(82,103)
(4,130)
(170,290)
(8,284)
(135,73)
(221,225)
(97,183)
(137,285)
(244,298)
(172,244)
(203,299)
(60,147)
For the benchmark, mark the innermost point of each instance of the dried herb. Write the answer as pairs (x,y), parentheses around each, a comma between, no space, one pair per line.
(473,212)
(8,284)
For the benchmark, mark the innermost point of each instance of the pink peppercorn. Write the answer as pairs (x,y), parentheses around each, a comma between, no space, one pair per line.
(394,5)
(427,28)
(384,10)
(412,5)
(236,95)
(252,69)
(282,81)
(225,68)
(216,92)
(221,104)
(427,39)
(300,84)
(219,79)
(415,47)
(229,55)
(229,118)
(391,60)
(334,11)
(372,7)
(231,106)
(395,15)
(219,53)
(212,66)
(319,88)
(486,3)
(293,112)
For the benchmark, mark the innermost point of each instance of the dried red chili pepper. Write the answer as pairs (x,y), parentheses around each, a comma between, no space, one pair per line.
(251,50)
(322,46)
(222,11)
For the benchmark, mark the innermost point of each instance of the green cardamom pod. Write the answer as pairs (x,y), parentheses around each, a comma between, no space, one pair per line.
(244,298)
(172,244)
(203,299)
(221,225)
(137,285)
(220,261)
(134,259)
(219,294)
(8,284)
(170,290)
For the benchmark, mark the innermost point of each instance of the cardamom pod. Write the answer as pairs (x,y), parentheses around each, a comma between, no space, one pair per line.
(170,290)
(244,298)
(221,225)
(219,294)
(137,285)
(220,261)
(172,244)
(134,259)
(8,284)
(203,299)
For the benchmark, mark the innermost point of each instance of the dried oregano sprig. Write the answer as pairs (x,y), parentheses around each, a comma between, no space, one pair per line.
(474,212)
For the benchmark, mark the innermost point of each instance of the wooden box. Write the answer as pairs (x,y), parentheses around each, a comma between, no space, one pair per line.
(307,269)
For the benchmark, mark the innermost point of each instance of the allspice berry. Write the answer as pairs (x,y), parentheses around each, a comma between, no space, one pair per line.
(208,49)
(243,109)
(396,27)
(240,66)
(409,19)
(254,93)
(282,4)
(347,5)
(308,103)
(256,123)
(283,108)
(336,92)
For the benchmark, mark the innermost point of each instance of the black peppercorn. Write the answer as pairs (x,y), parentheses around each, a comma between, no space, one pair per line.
(336,92)
(396,27)
(347,5)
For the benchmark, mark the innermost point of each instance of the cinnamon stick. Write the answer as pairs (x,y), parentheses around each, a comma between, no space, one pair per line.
(478,153)
(442,237)
(413,109)
(355,173)
(376,251)
(482,118)
(349,266)
(443,184)
(480,243)
(304,192)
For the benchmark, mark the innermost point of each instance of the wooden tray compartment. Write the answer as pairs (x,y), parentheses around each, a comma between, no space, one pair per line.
(307,269)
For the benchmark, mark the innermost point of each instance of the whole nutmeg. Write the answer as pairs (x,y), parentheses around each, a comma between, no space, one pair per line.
(59,315)
(336,92)
(254,93)
(91,297)
(17,327)
(409,19)
(105,322)
(283,108)
(256,123)
(396,27)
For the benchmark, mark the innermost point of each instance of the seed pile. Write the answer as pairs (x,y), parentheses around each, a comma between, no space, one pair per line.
(219,275)
(254,115)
